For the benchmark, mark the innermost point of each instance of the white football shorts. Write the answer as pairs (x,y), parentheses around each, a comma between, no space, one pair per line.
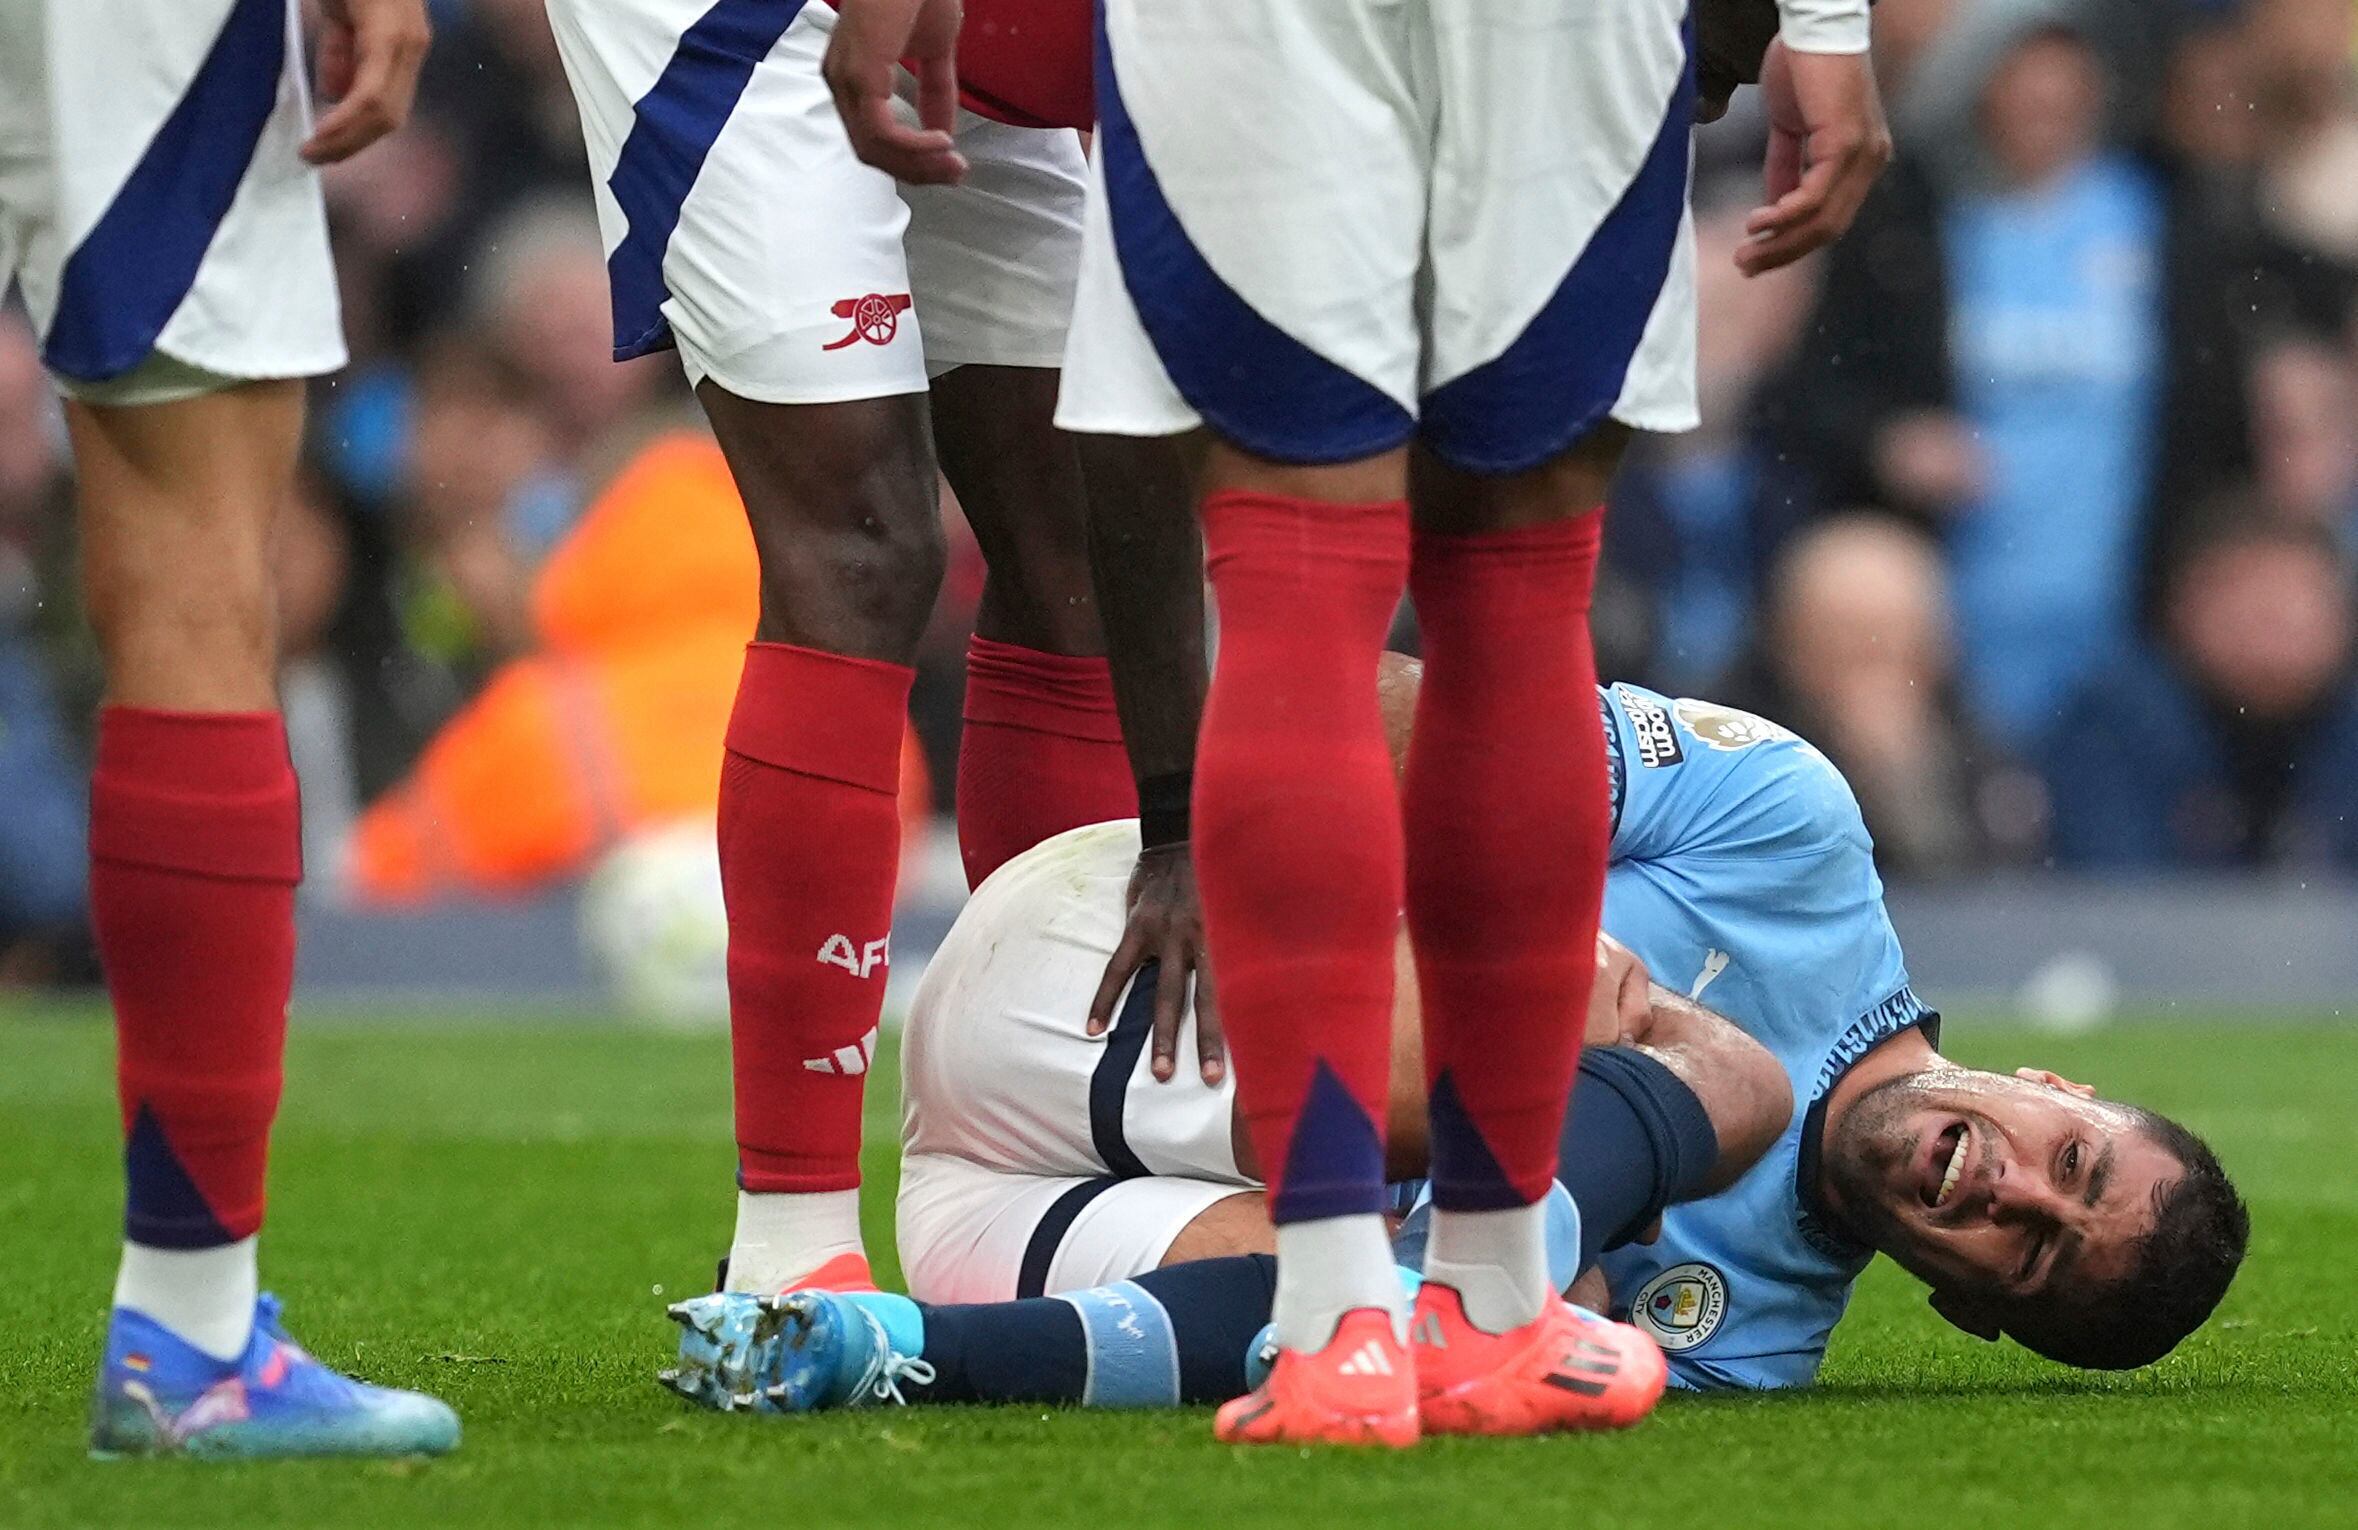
(1324,229)
(1035,1157)
(155,211)
(741,229)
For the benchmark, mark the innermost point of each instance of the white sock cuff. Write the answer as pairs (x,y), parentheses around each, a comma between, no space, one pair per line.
(1328,1268)
(781,1238)
(1496,1261)
(203,1295)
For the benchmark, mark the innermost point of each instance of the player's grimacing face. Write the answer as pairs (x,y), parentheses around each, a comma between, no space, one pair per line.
(1988,1186)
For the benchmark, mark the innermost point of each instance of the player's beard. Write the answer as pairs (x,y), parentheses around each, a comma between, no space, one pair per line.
(1865,1153)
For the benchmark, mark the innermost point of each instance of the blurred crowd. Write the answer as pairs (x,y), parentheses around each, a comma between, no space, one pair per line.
(2033,503)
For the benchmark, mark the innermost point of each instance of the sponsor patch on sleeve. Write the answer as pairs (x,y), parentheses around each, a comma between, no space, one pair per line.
(1657,740)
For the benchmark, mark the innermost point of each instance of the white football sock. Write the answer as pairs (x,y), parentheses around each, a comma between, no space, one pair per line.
(1327,1268)
(782,1238)
(1496,1261)
(204,1295)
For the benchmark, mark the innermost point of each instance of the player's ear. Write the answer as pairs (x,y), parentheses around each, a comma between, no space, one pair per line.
(2056,1081)
(1965,1313)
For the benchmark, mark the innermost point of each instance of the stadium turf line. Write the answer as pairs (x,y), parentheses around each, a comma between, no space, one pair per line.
(486,1212)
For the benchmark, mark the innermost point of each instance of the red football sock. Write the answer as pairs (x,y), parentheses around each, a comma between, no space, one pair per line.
(1041,752)
(1508,825)
(1297,835)
(810,838)
(195,850)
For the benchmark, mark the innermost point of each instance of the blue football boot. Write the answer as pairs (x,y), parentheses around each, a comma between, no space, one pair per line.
(158,1395)
(718,1337)
(803,1352)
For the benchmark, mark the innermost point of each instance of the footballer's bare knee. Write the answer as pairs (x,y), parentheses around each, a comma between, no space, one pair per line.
(1378,480)
(178,505)
(1452,501)
(846,516)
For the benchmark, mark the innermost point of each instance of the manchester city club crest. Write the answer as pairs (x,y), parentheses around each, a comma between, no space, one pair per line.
(1682,1306)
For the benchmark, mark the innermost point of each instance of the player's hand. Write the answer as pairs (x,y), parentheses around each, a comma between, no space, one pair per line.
(1166,926)
(872,39)
(1620,1006)
(369,55)
(1827,143)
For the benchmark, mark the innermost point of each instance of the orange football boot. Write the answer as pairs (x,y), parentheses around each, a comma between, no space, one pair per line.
(1359,1390)
(844,1272)
(1567,1369)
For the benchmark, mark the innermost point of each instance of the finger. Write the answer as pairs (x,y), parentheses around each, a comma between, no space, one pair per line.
(1830,222)
(354,123)
(937,93)
(335,59)
(1759,256)
(1780,172)
(922,155)
(1211,1042)
(1170,1010)
(1119,969)
(384,82)
(1803,202)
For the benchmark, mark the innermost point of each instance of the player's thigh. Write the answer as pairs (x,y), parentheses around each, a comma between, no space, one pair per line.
(1018,479)
(1236,1224)
(1558,244)
(992,262)
(973,1234)
(1262,168)
(739,225)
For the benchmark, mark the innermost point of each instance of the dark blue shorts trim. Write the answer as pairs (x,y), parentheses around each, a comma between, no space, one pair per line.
(674,127)
(1255,385)
(1031,1277)
(134,269)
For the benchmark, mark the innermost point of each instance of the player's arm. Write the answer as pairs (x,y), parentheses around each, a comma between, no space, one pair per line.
(1146,561)
(370,52)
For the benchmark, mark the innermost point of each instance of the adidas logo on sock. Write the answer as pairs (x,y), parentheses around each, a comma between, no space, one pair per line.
(1368,1360)
(846,1060)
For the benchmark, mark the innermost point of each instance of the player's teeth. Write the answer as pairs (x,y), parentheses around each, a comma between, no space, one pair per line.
(1948,1181)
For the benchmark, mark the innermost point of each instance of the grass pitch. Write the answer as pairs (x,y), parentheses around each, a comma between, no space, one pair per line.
(497,1214)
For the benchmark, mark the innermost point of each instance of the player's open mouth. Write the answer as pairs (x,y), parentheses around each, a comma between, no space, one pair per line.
(1947,1166)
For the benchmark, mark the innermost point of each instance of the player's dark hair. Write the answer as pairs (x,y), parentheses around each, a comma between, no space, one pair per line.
(2181,1270)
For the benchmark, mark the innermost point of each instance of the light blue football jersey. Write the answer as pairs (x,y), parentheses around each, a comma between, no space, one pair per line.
(1743,875)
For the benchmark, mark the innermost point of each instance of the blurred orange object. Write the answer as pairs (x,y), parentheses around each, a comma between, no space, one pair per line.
(615,723)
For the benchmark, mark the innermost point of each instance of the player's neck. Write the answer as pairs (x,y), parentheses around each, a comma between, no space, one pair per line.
(1907,1052)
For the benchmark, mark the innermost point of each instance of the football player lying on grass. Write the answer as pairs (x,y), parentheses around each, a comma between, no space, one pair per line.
(1078,1226)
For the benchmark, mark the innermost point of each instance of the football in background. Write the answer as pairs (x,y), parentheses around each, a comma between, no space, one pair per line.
(656,930)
